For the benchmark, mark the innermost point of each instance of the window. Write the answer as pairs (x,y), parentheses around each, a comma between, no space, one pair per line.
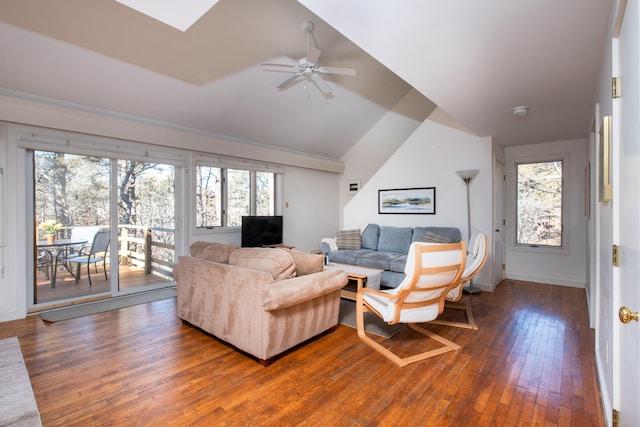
(208,197)
(224,195)
(539,203)
(239,196)
(265,192)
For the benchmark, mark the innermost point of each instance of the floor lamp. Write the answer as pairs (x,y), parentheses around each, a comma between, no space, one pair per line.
(467,176)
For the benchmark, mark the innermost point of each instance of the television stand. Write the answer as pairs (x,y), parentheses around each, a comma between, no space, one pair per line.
(279,245)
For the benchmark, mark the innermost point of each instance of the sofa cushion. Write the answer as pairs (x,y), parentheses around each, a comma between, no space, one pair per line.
(397,264)
(451,233)
(395,239)
(277,262)
(379,260)
(348,239)
(307,263)
(212,251)
(348,257)
(370,236)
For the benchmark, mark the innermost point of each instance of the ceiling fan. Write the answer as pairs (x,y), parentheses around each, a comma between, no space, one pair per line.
(308,67)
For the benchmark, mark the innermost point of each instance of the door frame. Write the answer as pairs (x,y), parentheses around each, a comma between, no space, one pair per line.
(499,215)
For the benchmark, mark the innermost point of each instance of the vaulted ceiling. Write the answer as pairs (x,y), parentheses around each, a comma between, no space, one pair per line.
(475,60)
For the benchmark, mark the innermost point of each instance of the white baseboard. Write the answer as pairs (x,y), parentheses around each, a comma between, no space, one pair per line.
(607,406)
(485,287)
(547,280)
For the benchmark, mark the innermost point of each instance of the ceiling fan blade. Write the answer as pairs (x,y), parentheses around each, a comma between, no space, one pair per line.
(321,84)
(313,55)
(274,64)
(287,82)
(337,70)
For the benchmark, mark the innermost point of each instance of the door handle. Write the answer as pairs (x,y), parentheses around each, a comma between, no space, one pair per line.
(497,230)
(627,315)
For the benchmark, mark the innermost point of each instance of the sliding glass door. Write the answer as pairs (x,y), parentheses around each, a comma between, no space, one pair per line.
(102,226)
(71,204)
(146,224)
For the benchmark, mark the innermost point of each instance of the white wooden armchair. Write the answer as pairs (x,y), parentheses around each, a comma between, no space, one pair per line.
(431,270)
(476,258)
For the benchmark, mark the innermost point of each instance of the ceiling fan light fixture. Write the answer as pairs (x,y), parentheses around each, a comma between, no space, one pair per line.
(308,68)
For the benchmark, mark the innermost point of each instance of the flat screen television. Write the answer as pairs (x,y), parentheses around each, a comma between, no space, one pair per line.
(258,231)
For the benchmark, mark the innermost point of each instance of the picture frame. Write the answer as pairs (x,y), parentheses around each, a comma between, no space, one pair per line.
(604,160)
(407,201)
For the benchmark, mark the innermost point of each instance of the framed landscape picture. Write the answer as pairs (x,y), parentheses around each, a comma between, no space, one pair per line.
(407,201)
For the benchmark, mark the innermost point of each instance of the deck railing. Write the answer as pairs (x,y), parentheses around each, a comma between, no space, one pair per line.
(149,248)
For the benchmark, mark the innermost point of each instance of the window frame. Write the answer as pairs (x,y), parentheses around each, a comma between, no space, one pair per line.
(31,139)
(224,169)
(566,188)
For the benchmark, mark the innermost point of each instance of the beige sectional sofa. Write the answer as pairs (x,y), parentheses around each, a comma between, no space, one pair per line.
(263,301)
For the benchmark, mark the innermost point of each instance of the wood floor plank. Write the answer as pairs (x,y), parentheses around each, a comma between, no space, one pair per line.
(531,362)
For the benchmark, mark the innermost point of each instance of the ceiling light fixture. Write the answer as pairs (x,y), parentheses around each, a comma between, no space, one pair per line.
(520,111)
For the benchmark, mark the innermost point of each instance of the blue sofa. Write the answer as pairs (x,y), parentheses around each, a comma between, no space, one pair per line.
(386,248)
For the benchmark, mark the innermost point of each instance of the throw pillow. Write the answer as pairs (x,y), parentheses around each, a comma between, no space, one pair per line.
(277,262)
(432,237)
(331,241)
(307,263)
(348,239)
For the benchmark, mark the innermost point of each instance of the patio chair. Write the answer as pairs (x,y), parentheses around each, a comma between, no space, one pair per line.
(44,263)
(431,270)
(476,258)
(86,233)
(94,254)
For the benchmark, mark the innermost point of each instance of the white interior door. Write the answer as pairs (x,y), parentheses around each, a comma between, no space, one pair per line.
(626,111)
(498,221)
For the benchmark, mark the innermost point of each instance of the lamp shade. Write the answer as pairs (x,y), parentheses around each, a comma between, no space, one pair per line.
(468,174)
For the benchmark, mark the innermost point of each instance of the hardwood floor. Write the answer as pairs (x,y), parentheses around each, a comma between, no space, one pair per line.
(531,363)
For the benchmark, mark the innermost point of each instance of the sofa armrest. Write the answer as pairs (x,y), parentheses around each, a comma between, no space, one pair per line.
(325,248)
(290,292)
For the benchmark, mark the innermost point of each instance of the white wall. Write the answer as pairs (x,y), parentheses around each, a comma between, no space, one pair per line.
(12,295)
(561,267)
(309,185)
(367,156)
(311,208)
(430,157)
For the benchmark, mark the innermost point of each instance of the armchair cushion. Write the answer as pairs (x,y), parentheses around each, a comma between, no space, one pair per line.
(387,307)
(276,262)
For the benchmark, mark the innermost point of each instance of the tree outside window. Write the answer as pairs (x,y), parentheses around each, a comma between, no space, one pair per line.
(208,197)
(245,192)
(539,203)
